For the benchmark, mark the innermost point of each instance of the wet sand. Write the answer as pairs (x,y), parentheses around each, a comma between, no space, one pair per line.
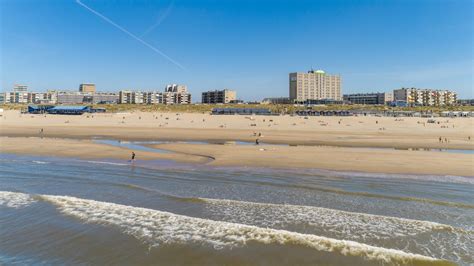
(334,158)
(84,149)
(273,156)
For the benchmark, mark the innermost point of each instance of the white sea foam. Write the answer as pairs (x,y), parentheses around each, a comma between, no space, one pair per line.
(454,243)
(40,162)
(157,227)
(339,223)
(15,200)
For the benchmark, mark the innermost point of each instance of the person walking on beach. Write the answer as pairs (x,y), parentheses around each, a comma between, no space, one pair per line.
(440,139)
(257,142)
(133,157)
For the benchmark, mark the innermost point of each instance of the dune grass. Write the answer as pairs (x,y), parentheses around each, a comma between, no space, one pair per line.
(275,108)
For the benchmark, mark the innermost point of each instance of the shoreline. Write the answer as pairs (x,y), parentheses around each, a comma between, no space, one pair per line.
(83,149)
(364,160)
(280,137)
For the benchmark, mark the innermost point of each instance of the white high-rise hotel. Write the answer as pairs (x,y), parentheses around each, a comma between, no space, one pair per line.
(314,85)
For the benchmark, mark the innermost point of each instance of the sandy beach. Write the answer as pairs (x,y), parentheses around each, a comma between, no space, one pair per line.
(84,149)
(347,141)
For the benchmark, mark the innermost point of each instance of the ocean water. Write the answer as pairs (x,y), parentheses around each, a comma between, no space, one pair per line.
(57,211)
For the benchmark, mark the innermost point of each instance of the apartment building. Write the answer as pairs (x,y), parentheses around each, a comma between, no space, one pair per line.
(87,88)
(173,94)
(182,89)
(219,96)
(314,85)
(130,97)
(73,97)
(49,97)
(425,97)
(16,97)
(378,98)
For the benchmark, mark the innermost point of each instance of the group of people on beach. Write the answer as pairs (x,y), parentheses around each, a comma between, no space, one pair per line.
(257,141)
(441,140)
(446,140)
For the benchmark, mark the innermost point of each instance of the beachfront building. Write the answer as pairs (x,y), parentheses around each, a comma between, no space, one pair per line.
(87,88)
(219,96)
(276,100)
(69,110)
(241,111)
(130,97)
(49,97)
(173,98)
(176,88)
(378,98)
(173,94)
(16,97)
(425,97)
(310,102)
(21,96)
(65,97)
(103,98)
(73,97)
(314,85)
(465,102)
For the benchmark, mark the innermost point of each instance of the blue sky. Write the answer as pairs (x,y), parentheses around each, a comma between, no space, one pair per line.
(249,46)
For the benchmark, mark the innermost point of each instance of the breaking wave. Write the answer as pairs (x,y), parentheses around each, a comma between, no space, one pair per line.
(157,227)
(367,225)
(451,242)
(15,200)
(40,162)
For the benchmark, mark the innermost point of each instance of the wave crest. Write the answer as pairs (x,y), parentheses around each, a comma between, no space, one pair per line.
(157,227)
(15,199)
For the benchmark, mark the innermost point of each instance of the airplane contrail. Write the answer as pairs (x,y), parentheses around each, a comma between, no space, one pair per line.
(130,34)
(160,19)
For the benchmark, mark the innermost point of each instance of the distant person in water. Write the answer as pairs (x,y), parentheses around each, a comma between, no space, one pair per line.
(133,157)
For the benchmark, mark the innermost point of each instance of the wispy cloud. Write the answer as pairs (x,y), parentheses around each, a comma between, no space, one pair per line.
(130,34)
(160,19)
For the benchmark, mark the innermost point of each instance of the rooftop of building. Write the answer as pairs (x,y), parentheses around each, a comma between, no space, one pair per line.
(70,107)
